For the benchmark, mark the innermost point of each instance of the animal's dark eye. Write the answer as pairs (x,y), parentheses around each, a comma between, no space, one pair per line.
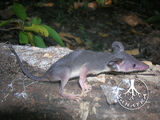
(134,65)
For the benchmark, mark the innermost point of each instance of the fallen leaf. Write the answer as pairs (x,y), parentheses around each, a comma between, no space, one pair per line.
(92,5)
(68,35)
(132,20)
(87,45)
(49,4)
(108,2)
(103,34)
(135,32)
(78,4)
(133,51)
(68,46)
(57,24)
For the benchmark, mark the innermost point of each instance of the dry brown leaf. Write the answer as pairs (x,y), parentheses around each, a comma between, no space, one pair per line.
(87,45)
(49,4)
(68,35)
(92,5)
(70,9)
(133,51)
(68,46)
(135,32)
(108,2)
(57,24)
(103,34)
(132,20)
(78,4)
(66,40)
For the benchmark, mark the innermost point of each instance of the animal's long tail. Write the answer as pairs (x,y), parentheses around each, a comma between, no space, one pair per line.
(22,67)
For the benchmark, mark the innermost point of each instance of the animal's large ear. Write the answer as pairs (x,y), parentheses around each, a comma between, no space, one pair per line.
(114,63)
(117,46)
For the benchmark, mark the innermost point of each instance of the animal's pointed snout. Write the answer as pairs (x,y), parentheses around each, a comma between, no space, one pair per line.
(143,66)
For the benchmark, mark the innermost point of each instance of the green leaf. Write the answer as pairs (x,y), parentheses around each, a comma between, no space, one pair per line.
(38,29)
(30,37)
(39,42)
(36,20)
(19,11)
(154,19)
(115,2)
(101,2)
(85,4)
(23,38)
(4,22)
(54,35)
(71,2)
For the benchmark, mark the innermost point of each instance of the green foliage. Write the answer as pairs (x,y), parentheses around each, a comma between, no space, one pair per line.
(31,38)
(54,35)
(4,22)
(85,5)
(115,2)
(154,19)
(39,42)
(36,21)
(71,2)
(39,29)
(23,38)
(101,2)
(28,29)
(19,11)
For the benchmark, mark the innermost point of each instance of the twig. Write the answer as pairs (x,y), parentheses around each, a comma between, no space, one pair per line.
(14,28)
(148,74)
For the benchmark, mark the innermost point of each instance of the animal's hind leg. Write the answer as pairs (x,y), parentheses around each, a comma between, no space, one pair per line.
(64,79)
(85,87)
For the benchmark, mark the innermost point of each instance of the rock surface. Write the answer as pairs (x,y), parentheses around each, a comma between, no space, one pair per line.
(23,98)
